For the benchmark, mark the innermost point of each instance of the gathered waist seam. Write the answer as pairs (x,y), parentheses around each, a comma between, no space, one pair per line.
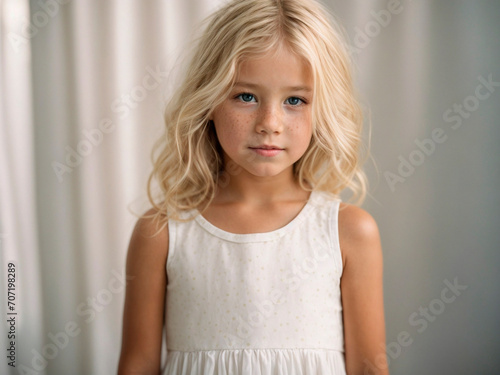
(251,349)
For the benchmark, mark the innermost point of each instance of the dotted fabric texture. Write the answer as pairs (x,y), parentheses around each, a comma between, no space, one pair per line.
(260,303)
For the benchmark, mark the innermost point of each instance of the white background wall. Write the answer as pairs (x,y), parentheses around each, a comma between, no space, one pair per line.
(87,65)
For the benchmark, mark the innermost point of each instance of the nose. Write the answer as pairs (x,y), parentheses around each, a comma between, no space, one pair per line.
(270,119)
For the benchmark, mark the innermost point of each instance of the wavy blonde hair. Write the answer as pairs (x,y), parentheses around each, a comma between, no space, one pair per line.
(189,164)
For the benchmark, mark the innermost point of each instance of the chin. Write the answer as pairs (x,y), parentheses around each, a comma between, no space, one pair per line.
(266,171)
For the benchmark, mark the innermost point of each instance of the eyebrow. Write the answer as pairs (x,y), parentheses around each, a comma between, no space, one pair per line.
(288,88)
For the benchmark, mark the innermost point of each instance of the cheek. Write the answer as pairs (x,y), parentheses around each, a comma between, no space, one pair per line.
(301,128)
(230,129)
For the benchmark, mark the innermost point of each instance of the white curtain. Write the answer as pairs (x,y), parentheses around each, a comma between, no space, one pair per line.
(82,89)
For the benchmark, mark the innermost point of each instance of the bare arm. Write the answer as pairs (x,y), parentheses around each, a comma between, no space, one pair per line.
(144,300)
(362,293)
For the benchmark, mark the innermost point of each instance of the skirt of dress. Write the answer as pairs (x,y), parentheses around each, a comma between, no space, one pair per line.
(255,362)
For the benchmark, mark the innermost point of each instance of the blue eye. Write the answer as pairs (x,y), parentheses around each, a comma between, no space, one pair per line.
(245,97)
(294,100)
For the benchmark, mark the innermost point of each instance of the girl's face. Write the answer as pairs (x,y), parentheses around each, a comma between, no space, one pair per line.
(269,107)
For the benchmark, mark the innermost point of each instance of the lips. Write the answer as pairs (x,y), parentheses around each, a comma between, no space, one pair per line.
(267,150)
(267,147)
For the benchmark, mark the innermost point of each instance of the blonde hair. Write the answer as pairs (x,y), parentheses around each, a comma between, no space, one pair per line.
(190,163)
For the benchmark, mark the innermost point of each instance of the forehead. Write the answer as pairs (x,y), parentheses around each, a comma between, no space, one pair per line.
(279,67)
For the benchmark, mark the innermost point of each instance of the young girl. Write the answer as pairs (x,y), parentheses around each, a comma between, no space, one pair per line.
(248,262)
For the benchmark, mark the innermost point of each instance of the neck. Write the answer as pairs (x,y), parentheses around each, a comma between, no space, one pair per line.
(251,189)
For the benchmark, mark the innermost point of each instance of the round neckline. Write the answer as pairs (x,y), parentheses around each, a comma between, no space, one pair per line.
(260,236)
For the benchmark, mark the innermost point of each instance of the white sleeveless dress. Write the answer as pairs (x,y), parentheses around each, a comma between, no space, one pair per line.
(261,303)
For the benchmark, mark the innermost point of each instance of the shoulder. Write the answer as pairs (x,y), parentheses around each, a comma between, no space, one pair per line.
(149,240)
(149,227)
(355,221)
(359,235)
